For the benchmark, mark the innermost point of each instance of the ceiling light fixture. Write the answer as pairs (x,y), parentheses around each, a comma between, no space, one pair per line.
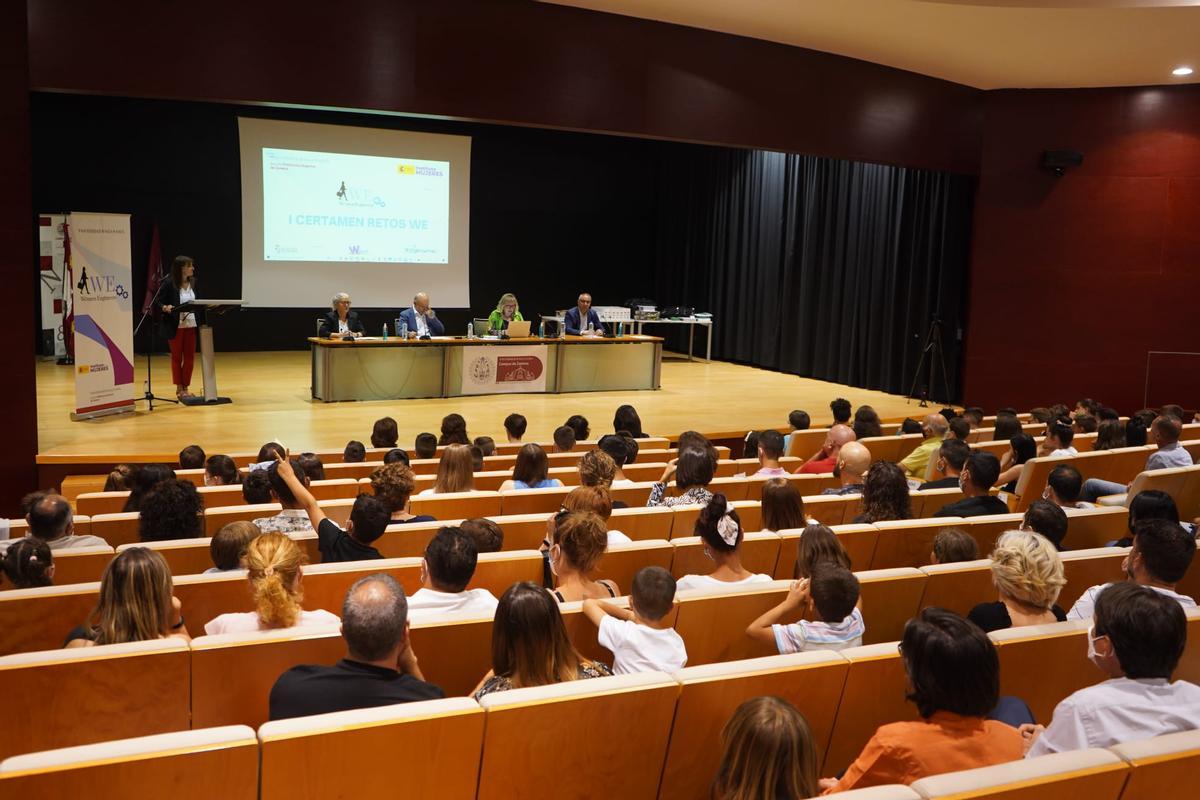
(1182,71)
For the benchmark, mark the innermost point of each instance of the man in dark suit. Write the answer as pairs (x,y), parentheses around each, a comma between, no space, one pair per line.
(421,319)
(341,322)
(576,320)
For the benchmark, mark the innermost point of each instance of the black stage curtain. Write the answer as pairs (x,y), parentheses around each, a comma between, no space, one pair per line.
(813,266)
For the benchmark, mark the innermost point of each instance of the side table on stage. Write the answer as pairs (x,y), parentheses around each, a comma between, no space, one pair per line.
(208,369)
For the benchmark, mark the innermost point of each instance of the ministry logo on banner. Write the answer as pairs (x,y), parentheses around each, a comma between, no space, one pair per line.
(497,369)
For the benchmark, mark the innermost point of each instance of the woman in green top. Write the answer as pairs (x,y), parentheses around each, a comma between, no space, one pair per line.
(506,311)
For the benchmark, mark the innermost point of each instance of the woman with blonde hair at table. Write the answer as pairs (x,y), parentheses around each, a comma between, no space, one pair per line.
(507,310)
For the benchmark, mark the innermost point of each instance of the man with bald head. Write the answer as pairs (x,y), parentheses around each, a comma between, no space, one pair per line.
(421,319)
(825,459)
(853,461)
(380,668)
(934,428)
(49,518)
(576,320)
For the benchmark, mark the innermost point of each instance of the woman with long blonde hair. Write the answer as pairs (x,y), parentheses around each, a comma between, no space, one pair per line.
(768,753)
(136,603)
(456,471)
(274,566)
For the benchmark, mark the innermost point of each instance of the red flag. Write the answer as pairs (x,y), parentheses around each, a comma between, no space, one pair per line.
(68,302)
(153,270)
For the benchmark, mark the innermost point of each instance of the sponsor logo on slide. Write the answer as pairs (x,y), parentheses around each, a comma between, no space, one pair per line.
(413,169)
(357,250)
(481,370)
(518,369)
(357,197)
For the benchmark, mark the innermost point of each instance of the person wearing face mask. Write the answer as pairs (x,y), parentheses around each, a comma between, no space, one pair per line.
(1158,559)
(978,475)
(1136,639)
(720,530)
(578,540)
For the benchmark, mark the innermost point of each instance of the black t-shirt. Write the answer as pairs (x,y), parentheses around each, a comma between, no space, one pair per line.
(994,616)
(317,689)
(337,545)
(974,507)
(940,483)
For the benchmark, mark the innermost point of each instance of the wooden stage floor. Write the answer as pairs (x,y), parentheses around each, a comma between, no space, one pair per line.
(271,400)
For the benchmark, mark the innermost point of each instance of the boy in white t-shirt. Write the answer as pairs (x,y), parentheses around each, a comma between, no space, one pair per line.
(640,637)
(830,594)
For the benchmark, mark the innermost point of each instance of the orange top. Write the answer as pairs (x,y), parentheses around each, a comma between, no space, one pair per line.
(904,752)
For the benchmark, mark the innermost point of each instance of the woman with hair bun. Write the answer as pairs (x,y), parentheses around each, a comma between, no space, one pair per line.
(721,531)
(578,540)
(28,563)
(274,567)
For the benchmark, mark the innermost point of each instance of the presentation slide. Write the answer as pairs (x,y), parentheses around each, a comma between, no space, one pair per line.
(346,207)
(380,214)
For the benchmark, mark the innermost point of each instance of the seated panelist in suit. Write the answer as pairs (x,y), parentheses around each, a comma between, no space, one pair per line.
(507,310)
(421,319)
(341,322)
(576,320)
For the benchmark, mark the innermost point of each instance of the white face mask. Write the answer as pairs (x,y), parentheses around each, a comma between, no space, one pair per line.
(1093,656)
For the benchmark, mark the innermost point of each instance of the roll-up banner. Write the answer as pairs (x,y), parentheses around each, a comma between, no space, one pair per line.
(504,369)
(101,273)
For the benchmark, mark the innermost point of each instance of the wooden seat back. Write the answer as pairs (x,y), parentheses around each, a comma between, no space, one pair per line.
(873,695)
(1124,465)
(927,503)
(907,543)
(642,522)
(713,624)
(1093,774)
(890,597)
(41,618)
(1036,471)
(833,509)
(1189,497)
(183,556)
(455,650)
(958,587)
(749,515)
(858,541)
(1095,527)
(1055,653)
(117,528)
(457,505)
(1086,568)
(531,501)
(985,530)
(804,443)
(1159,766)
(79,565)
(408,540)
(621,562)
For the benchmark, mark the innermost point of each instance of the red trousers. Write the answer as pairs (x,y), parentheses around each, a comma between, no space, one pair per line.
(183,353)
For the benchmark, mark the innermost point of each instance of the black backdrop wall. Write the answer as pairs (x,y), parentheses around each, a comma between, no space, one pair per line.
(812,266)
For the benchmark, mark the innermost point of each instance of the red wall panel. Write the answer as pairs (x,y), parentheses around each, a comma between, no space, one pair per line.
(1075,278)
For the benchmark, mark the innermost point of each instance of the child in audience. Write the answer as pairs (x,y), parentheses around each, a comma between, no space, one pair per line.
(531,471)
(782,506)
(564,439)
(641,637)
(614,446)
(721,531)
(229,545)
(818,543)
(488,536)
(579,425)
(456,471)
(454,430)
(143,479)
(425,446)
(486,445)
(355,452)
(256,488)
(395,455)
(394,485)
(220,470)
(829,616)
(800,421)
(768,752)
(191,457)
(369,518)
(514,427)
(952,545)
(384,433)
(312,466)
(28,563)
(119,479)
(476,459)
(292,518)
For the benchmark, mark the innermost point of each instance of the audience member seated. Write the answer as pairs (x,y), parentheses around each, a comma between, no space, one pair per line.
(268,454)
(425,446)
(974,416)
(640,637)
(486,445)
(958,428)
(49,518)
(693,472)
(770,450)
(1160,556)
(597,500)
(1040,414)
(853,461)
(456,471)
(908,427)
(1021,448)
(487,535)
(1057,441)
(532,470)
(514,427)
(228,547)
(454,430)
(1106,414)
(394,484)
(1135,433)
(293,518)
(951,456)
(394,456)
(447,568)
(826,607)
(476,459)
(1028,575)
(818,543)
(720,528)
(825,459)
(28,563)
(976,479)
(615,447)
(782,506)
(866,423)
(369,518)
(767,752)
(120,479)
(171,510)
(1110,434)
(933,428)
(799,421)
(385,433)
(1084,423)
(256,488)
(220,470)
(694,439)
(380,669)
(1165,433)
(1152,504)
(954,675)
(1136,640)
(1006,427)
(952,546)
(579,425)
(564,439)
(1063,486)
(191,457)
(1176,411)
(354,453)
(840,408)
(577,541)
(885,494)
(314,470)
(1048,519)
(750,445)
(274,567)
(597,468)
(1086,406)
(626,420)
(135,603)
(530,645)
(145,477)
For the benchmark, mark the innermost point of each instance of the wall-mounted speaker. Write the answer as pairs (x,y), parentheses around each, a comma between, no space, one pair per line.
(1058,160)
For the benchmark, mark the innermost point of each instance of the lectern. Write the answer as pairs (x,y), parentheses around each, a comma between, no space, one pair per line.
(208,369)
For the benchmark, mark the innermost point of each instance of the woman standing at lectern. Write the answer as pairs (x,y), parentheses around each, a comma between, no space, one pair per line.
(507,310)
(341,323)
(179,327)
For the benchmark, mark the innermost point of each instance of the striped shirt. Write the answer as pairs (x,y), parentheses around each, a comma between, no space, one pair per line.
(805,635)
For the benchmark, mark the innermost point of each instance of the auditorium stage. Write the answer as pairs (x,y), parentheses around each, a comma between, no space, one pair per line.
(271,400)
